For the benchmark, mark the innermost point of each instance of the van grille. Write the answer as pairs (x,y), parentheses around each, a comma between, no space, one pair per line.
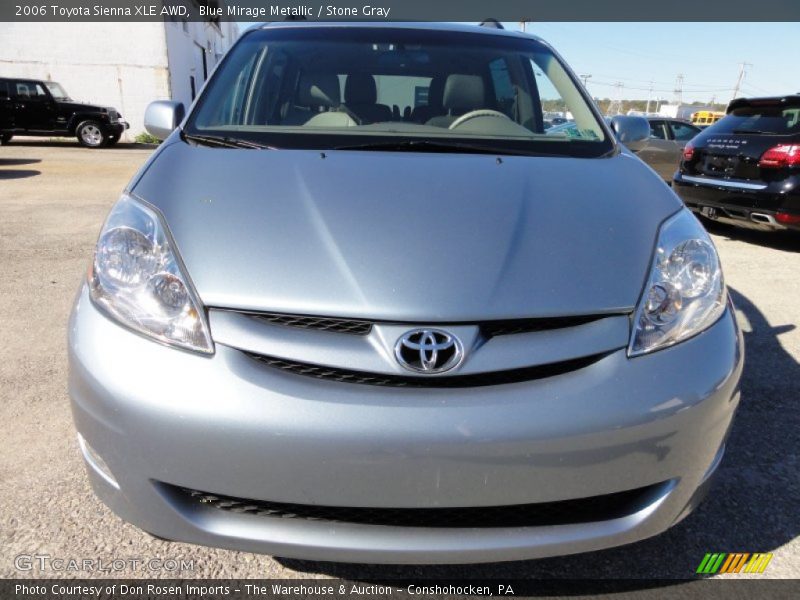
(351,326)
(491,329)
(447,381)
(363,327)
(581,510)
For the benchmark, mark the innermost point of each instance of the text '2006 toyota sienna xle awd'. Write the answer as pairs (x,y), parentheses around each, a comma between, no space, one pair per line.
(360,306)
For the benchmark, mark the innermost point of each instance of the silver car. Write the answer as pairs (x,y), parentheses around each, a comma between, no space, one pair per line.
(358,306)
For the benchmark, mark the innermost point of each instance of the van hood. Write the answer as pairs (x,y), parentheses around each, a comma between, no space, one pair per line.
(415,237)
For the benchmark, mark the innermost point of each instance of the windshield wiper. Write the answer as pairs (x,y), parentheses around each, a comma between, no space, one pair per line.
(224,142)
(431,146)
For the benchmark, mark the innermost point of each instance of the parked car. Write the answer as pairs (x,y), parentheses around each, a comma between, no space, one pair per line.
(43,108)
(664,150)
(339,336)
(745,168)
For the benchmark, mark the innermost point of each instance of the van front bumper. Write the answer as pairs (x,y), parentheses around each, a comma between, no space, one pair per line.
(160,427)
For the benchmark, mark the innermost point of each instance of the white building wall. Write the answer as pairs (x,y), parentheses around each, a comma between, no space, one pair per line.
(123,65)
(187,44)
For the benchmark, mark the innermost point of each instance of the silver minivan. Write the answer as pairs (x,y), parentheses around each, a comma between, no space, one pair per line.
(361,306)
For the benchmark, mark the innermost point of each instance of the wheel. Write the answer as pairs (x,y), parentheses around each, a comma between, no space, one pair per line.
(5,138)
(91,135)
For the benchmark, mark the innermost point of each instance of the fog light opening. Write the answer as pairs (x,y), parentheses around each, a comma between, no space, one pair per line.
(94,460)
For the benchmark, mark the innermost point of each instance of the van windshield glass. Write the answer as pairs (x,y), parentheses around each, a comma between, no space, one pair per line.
(368,87)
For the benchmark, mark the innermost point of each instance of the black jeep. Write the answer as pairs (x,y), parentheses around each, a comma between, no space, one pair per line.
(43,108)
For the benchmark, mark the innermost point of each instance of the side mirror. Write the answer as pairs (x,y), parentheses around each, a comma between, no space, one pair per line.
(634,132)
(162,117)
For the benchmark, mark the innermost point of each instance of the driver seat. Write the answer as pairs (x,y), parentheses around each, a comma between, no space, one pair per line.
(462,94)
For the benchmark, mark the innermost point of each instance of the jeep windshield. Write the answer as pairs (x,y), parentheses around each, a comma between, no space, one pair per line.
(56,90)
(394,89)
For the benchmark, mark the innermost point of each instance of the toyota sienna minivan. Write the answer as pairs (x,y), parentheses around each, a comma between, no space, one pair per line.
(360,306)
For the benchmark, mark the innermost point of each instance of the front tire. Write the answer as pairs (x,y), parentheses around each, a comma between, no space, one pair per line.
(90,134)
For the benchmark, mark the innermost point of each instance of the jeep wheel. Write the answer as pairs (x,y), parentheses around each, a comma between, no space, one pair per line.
(90,134)
(5,138)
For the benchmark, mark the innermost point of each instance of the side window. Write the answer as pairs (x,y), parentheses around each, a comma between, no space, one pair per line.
(3,90)
(569,114)
(23,91)
(503,87)
(28,90)
(683,132)
(657,130)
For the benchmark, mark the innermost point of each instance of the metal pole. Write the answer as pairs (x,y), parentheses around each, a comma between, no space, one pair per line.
(742,67)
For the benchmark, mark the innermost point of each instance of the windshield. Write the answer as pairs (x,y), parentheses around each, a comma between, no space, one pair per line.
(56,90)
(348,87)
(775,119)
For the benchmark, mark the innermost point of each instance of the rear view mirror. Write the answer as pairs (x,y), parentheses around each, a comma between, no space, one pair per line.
(162,117)
(634,132)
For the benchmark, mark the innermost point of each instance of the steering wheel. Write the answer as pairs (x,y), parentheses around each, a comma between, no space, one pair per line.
(474,114)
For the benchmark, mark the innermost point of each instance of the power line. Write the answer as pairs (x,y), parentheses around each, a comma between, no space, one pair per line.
(655,89)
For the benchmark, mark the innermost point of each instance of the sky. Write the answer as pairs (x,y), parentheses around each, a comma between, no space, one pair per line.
(706,54)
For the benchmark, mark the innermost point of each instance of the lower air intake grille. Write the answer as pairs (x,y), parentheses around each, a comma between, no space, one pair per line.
(449,381)
(582,510)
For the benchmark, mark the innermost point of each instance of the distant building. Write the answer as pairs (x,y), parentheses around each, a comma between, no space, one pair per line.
(124,65)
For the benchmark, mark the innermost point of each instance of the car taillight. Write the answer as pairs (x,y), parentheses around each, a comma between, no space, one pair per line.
(782,155)
(787,218)
(688,152)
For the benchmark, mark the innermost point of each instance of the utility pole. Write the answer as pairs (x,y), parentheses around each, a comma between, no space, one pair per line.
(649,94)
(523,26)
(742,67)
(585,79)
(615,107)
(679,89)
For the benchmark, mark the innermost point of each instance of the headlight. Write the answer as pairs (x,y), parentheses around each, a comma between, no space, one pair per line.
(685,292)
(139,280)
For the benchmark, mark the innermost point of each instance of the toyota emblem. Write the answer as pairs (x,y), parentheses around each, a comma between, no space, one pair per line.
(428,351)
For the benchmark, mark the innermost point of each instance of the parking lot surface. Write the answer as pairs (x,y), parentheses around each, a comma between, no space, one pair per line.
(53,199)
